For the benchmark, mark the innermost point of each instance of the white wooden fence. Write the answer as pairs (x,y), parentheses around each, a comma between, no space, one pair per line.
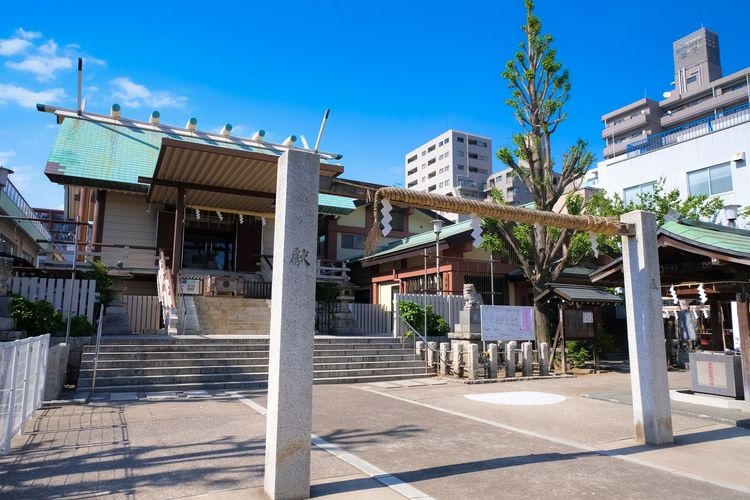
(23,370)
(447,306)
(372,318)
(144,313)
(57,293)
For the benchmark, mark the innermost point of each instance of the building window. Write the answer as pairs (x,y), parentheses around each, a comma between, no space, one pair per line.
(352,241)
(411,184)
(633,194)
(399,217)
(460,139)
(711,180)
(460,167)
(431,175)
(481,144)
(461,153)
(412,171)
(447,140)
(431,149)
(431,161)
(411,159)
(431,188)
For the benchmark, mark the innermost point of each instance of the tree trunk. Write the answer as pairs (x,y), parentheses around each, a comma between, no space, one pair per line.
(542,326)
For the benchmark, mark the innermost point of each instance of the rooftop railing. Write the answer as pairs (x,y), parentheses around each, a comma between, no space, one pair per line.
(704,126)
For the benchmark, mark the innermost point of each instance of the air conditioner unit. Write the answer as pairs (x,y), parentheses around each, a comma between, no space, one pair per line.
(738,156)
(224,284)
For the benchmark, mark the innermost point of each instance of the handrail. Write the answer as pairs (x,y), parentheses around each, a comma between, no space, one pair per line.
(691,130)
(96,349)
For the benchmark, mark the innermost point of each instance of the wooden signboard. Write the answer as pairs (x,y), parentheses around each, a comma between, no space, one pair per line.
(579,324)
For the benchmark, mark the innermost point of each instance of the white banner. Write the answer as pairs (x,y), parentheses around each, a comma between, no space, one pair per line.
(507,323)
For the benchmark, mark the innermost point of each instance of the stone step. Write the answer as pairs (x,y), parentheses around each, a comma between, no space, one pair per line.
(141,356)
(329,349)
(201,378)
(254,384)
(125,360)
(107,372)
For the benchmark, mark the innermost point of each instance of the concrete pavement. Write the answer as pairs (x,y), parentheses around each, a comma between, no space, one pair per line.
(376,441)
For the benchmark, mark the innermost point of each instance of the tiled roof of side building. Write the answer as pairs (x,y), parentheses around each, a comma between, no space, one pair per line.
(722,238)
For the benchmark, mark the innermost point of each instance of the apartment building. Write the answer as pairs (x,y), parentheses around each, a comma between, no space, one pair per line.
(454,164)
(696,138)
(700,92)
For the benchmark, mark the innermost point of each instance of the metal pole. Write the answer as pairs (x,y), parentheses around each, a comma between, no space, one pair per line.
(438,283)
(72,283)
(96,350)
(492,280)
(424,296)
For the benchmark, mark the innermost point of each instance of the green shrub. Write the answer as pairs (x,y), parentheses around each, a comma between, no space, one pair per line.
(414,315)
(35,318)
(81,327)
(578,352)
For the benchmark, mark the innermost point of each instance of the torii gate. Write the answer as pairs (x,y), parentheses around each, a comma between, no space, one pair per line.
(288,427)
(648,367)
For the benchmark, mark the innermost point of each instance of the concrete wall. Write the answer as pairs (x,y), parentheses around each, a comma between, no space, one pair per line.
(57,364)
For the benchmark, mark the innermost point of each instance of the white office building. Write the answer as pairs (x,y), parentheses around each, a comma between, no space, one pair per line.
(454,164)
(697,138)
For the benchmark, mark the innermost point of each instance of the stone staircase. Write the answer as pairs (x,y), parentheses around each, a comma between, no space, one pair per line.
(181,364)
(226,316)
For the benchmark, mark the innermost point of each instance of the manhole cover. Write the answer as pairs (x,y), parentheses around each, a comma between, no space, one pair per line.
(527,398)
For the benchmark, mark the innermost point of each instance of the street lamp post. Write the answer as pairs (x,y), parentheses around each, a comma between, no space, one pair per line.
(437,226)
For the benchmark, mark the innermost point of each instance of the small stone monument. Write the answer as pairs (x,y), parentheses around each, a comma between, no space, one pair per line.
(344,322)
(470,320)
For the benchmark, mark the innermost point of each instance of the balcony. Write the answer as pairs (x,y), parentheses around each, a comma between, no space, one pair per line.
(626,125)
(704,107)
(691,130)
(13,204)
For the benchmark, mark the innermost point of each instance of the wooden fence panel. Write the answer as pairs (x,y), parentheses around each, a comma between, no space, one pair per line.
(144,313)
(57,292)
(372,318)
(447,306)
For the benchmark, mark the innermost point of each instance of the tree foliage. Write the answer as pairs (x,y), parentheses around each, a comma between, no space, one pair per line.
(540,87)
(658,200)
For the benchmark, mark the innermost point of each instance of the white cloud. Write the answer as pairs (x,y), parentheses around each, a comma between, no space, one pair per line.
(135,95)
(44,66)
(5,157)
(28,35)
(13,46)
(28,98)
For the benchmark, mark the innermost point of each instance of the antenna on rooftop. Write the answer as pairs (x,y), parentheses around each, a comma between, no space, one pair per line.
(320,132)
(80,82)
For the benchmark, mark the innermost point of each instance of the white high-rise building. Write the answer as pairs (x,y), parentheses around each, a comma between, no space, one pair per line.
(454,164)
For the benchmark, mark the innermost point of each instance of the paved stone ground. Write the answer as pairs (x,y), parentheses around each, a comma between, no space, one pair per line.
(426,441)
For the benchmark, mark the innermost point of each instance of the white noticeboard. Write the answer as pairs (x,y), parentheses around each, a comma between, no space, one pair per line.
(507,323)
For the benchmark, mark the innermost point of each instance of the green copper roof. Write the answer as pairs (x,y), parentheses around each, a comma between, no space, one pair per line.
(98,154)
(330,204)
(421,239)
(713,236)
(116,154)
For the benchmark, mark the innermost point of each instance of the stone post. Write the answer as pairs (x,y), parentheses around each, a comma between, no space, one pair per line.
(510,359)
(492,360)
(648,366)
(431,348)
(444,366)
(544,359)
(419,349)
(527,367)
(290,364)
(456,359)
(472,362)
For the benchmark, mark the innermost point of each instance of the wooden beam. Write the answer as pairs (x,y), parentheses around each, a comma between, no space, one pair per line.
(743,318)
(207,187)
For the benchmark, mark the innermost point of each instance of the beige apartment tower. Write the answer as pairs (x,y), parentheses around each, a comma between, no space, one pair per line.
(454,163)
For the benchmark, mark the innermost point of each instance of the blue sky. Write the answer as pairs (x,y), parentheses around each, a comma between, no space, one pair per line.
(393,73)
